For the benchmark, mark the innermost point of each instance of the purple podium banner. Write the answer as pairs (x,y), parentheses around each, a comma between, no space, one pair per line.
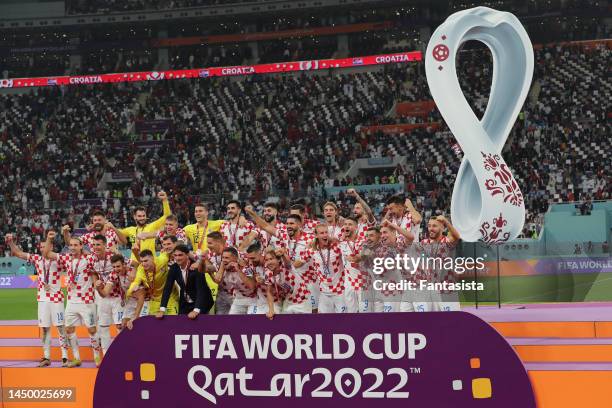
(18,282)
(579,264)
(451,359)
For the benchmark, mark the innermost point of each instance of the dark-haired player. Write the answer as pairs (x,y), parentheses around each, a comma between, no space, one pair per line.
(235,228)
(403,214)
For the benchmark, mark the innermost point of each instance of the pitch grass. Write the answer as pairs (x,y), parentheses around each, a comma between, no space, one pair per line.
(20,304)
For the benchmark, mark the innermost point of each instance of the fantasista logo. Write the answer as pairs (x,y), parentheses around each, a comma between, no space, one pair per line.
(444,359)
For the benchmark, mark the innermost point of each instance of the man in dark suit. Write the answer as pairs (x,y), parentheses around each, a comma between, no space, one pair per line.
(194,293)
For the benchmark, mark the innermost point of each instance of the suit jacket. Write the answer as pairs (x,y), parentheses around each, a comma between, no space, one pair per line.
(196,287)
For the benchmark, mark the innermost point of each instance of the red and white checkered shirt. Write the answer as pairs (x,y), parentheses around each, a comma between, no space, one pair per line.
(231,278)
(298,248)
(258,271)
(309,225)
(335,230)
(104,268)
(112,240)
(179,234)
(363,227)
(80,279)
(405,222)
(355,277)
(287,285)
(441,248)
(327,266)
(48,272)
(280,236)
(234,235)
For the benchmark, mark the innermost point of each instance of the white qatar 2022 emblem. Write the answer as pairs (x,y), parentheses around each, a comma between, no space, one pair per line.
(487,203)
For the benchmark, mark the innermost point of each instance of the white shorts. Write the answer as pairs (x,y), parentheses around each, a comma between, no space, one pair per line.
(262,308)
(241,306)
(81,314)
(50,313)
(109,311)
(297,308)
(129,310)
(223,303)
(257,307)
(313,287)
(391,307)
(329,303)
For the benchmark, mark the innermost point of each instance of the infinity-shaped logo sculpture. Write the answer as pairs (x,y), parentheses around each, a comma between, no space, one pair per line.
(487,203)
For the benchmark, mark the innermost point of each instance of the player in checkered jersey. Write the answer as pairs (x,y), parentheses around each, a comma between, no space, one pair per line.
(254,267)
(171,228)
(333,220)
(351,244)
(81,307)
(109,308)
(238,281)
(327,265)
(50,300)
(403,214)
(308,224)
(297,243)
(121,277)
(210,262)
(362,212)
(278,286)
(269,217)
(439,245)
(236,228)
(99,226)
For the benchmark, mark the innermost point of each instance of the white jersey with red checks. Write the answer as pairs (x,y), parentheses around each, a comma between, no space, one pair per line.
(80,279)
(309,225)
(327,265)
(355,277)
(121,283)
(112,240)
(104,268)
(179,234)
(363,227)
(234,234)
(236,287)
(334,230)
(298,248)
(257,271)
(277,240)
(48,272)
(279,282)
(406,223)
(441,248)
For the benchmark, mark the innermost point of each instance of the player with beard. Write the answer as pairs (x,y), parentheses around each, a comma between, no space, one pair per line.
(327,265)
(99,226)
(240,282)
(171,228)
(50,299)
(235,228)
(197,235)
(213,259)
(297,243)
(363,213)
(130,234)
(351,244)
(229,265)
(270,216)
(308,224)
(81,307)
(121,277)
(439,245)
(403,214)
(109,308)
(255,267)
(333,220)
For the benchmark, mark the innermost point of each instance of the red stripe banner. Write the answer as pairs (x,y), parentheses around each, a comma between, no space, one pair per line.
(277,67)
(401,128)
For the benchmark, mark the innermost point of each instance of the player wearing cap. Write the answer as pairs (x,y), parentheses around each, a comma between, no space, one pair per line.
(50,299)
(81,307)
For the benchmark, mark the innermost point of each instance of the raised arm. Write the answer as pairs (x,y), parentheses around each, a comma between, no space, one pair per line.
(66,234)
(47,250)
(416,216)
(362,202)
(409,236)
(260,222)
(159,223)
(15,250)
(120,235)
(454,235)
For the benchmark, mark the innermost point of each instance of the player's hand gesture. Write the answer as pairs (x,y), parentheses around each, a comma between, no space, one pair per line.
(8,238)
(351,192)
(249,209)
(130,324)
(159,315)
(66,228)
(298,263)
(51,235)
(99,284)
(162,195)
(242,222)
(442,219)
(193,315)
(386,223)
(270,314)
